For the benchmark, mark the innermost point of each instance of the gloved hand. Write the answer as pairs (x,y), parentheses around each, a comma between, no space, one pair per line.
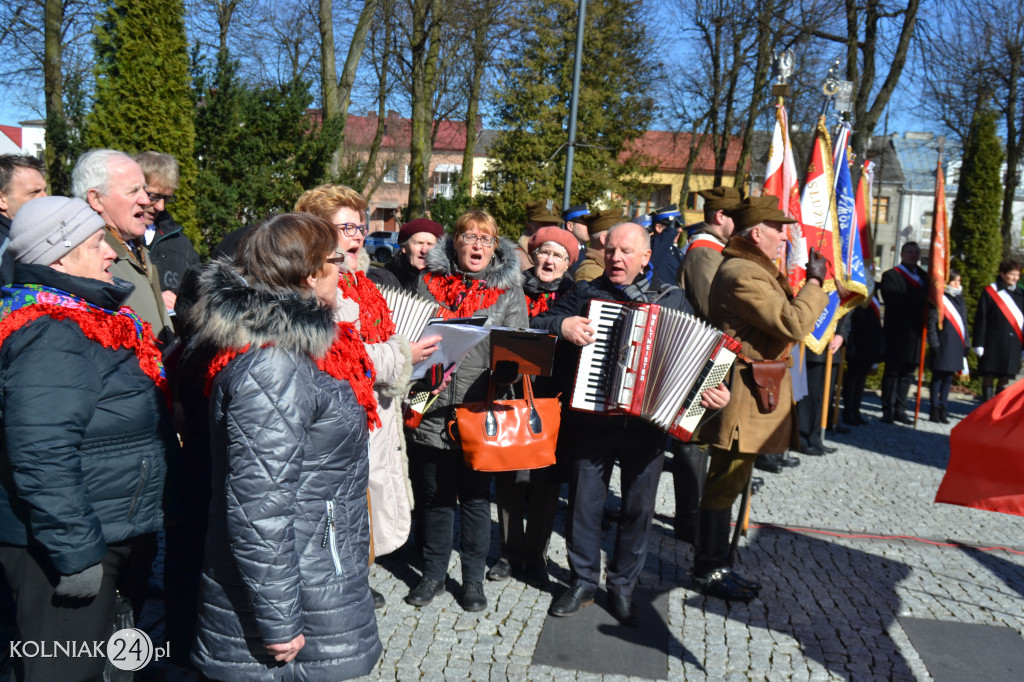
(979,351)
(82,585)
(817,266)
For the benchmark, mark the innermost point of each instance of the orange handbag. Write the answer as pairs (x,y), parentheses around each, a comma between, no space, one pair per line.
(508,435)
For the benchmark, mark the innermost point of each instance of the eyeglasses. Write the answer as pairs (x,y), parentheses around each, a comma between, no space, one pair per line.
(351,229)
(553,255)
(156,197)
(337,259)
(470,238)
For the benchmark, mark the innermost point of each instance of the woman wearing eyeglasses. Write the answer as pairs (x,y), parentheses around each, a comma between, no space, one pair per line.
(362,305)
(284,593)
(475,273)
(528,500)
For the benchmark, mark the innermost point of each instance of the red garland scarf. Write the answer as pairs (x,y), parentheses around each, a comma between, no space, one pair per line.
(536,306)
(346,360)
(456,298)
(110,331)
(375,323)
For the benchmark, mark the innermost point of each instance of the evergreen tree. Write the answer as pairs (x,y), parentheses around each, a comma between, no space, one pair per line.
(533,101)
(257,149)
(974,230)
(143,101)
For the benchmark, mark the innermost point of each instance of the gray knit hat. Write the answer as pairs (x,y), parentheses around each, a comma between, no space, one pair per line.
(45,230)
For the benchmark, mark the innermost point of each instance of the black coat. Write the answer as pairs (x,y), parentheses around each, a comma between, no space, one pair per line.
(994,333)
(866,343)
(396,273)
(87,439)
(946,351)
(904,316)
(287,550)
(171,252)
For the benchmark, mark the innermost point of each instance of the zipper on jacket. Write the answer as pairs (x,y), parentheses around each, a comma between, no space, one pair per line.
(138,490)
(330,538)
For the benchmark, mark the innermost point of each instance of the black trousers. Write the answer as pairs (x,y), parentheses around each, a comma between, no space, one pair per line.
(938,393)
(896,383)
(43,618)
(639,451)
(526,518)
(853,388)
(449,484)
(689,464)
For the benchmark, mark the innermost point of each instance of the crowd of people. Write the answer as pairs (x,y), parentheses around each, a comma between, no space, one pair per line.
(249,413)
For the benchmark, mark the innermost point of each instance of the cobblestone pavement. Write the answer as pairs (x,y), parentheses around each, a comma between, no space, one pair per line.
(844,545)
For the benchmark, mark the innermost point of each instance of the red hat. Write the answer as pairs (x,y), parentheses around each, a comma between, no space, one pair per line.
(419,225)
(557,235)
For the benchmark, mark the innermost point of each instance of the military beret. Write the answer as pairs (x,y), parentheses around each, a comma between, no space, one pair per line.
(720,198)
(542,212)
(756,210)
(602,220)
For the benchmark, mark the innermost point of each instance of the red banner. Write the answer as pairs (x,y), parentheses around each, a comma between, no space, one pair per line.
(863,208)
(781,182)
(938,255)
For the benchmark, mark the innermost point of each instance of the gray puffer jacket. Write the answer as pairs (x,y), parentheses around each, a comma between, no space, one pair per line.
(287,550)
(469,383)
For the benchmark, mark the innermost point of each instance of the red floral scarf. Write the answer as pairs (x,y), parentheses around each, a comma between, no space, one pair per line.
(116,330)
(460,296)
(375,323)
(540,304)
(346,360)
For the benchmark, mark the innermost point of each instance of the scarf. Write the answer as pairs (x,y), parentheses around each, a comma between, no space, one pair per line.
(459,295)
(346,360)
(540,295)
(116,330)
(375,323)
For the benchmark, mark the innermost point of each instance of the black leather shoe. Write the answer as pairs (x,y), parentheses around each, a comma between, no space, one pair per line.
(839,428)
(812,450)
(722,584)
(788,460)
(769,463)
(473,598)
(536,576)
(378,599)
(756,483)
(827,449)
(887,419)
(500,571)
(745,582)
(570,603)
(903,419)
(425,592)
(620,606)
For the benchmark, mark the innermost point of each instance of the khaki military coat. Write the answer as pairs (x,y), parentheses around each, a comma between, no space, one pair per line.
(751,301)
(698,270)
(591,267)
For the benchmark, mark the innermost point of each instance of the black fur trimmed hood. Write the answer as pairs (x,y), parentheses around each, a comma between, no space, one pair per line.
(501,273)
(233,313)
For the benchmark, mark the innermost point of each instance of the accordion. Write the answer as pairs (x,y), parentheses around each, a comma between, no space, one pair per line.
(651,362)
(410,312)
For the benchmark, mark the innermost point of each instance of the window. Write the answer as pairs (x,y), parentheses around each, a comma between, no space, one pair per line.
(446,176)
(406,174)
(391,174)
(691,200)
(881,210)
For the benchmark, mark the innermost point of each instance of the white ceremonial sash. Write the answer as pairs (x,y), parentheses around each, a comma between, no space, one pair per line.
(950,312)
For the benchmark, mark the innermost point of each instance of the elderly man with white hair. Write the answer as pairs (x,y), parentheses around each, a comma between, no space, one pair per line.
(114,186)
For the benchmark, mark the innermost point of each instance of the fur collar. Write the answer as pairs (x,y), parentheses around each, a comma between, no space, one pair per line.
(232,314)
(501,273)
(741,247)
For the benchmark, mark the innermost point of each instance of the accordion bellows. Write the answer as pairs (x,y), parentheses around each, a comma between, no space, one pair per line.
(651,362)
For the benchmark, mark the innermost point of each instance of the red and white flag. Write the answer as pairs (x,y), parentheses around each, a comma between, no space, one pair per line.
(782,182)
(938,255)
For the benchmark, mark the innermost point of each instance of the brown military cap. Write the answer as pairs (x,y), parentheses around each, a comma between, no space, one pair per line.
(720,198)
(756,210)
(543,212)
(602,220)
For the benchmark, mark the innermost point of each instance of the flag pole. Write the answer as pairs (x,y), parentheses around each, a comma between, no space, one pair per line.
(826,398)
(920,366)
